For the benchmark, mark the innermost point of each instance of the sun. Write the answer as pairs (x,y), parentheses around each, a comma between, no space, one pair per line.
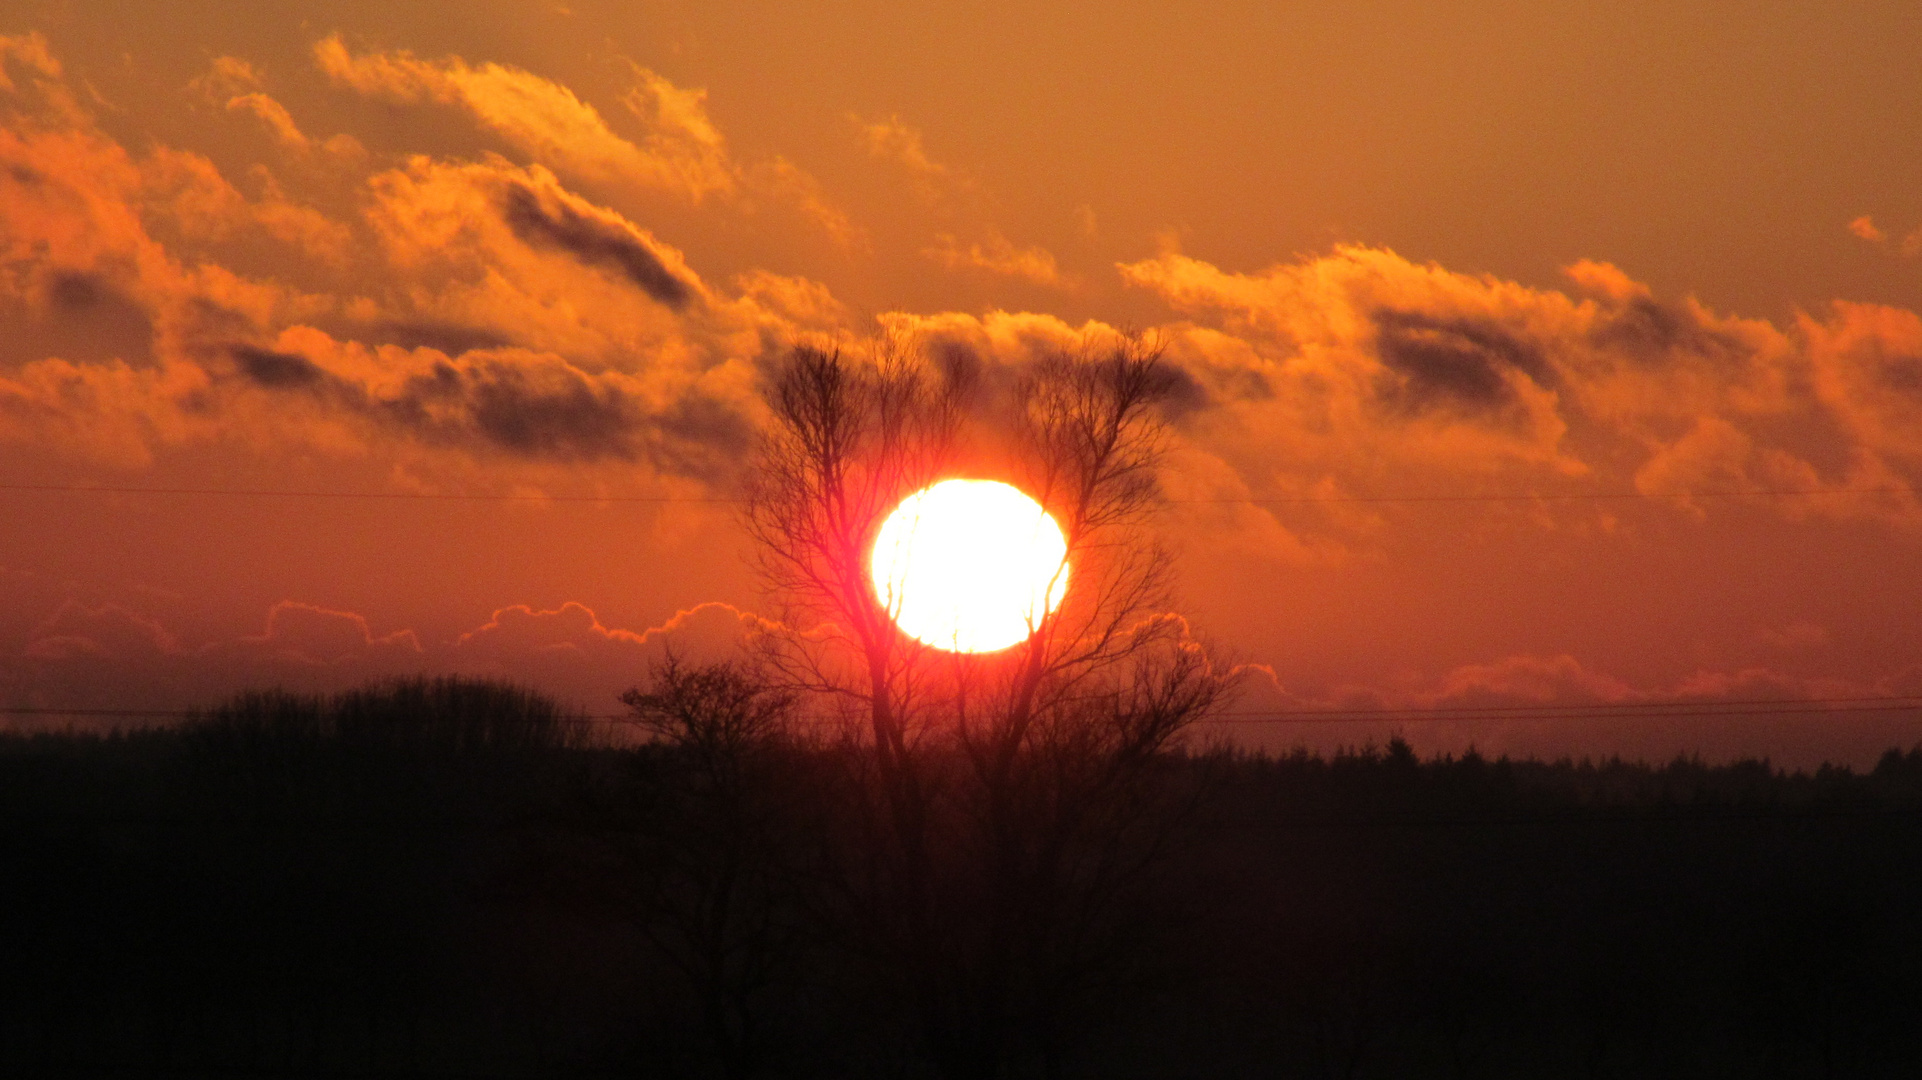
(970,565)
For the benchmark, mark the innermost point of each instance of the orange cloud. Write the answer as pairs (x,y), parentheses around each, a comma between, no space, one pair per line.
(1864,228)
(500,403)
(226,77)
(902,146)
(619,351)
(997,255)
(1866,362)
(1457,378)
(237,86)
(110,654)
(682,152)
(197,199)
(788,183)
(28,52)
(308,634)
(108,632)
(489,244)
(892,140)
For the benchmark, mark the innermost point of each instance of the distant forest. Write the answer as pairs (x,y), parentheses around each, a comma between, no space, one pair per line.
(462,879)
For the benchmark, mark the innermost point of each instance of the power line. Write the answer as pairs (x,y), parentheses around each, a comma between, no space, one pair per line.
(1899,700)
(1504,717)
(1624,711)
(1280,500)
(395,495)
(1559,496)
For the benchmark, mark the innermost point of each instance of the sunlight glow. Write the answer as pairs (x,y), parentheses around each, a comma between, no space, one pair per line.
(970,565)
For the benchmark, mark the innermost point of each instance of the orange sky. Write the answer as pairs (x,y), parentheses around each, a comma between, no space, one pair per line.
(546,249)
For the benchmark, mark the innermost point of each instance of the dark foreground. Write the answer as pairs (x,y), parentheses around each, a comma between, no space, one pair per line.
(457,880)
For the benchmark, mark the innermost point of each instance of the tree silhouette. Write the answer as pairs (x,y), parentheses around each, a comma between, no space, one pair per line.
(719,868)
(1003,804)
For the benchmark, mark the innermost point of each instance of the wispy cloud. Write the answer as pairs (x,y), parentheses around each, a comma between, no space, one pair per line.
(681,151)
(997,255)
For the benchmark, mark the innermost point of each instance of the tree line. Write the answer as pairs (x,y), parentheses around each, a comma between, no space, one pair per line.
(459,878)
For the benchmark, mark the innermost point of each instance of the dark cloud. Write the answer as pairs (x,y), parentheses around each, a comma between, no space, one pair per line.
(1903,373)
(209,324)
(1182,395)
(450,338)
(278,370)
(707,439)
(1457,362)
(1653,333)
(596,243)
(525,406)
(75,292)
(574,418)
(82,316)
(549,410)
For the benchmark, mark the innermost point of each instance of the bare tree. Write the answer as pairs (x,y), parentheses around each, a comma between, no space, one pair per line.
(720,902)
(1005,798)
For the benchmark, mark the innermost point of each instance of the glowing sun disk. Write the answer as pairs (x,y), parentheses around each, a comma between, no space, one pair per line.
(970,565)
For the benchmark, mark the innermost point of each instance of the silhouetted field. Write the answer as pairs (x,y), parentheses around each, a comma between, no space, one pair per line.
(460,879)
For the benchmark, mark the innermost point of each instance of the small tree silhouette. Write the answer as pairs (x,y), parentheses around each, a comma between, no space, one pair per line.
(1004,804)
(718,870)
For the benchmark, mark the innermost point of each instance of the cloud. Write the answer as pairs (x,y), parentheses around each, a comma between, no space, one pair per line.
(1527,680)
(679,131)
(1864,228)
(281,123)
(594,239)
(1552,706)
(75,204)
(519,633)
(619,352)
(498,315)
(788,183)
(113,655)
(506,401)
(997,255)
(308,634)
(37,82)
(106,632)
(110,655)
(531,324)
(1360,354)
(508,250)
(803,304)
(111,412)
(273,114)
(226,77)
(192,194)
(237,86)
(1434,361)
(681,153)
(892,141)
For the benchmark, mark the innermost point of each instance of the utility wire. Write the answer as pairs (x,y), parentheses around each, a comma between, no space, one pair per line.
(1591,496)
(1627,710)
(396,495)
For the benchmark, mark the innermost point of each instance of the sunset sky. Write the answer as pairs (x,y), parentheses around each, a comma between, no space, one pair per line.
(1501,306)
